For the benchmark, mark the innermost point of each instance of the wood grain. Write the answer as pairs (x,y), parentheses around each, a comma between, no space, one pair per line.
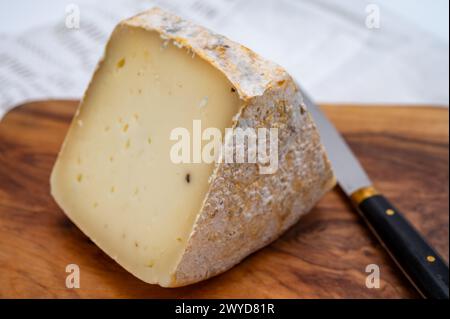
(404,149)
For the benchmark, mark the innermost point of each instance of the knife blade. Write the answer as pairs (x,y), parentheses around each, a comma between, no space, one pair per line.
(420,263)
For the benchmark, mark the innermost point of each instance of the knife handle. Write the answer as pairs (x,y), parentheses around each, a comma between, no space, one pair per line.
(421,264)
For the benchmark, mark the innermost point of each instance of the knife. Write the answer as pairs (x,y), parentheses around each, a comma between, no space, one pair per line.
(421,264)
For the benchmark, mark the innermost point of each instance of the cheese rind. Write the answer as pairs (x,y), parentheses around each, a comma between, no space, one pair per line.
(231,213)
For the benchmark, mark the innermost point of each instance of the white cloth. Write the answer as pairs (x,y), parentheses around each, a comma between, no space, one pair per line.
(324,44)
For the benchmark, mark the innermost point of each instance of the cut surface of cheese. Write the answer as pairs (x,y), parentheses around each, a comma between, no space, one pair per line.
(174,224)
(140,203)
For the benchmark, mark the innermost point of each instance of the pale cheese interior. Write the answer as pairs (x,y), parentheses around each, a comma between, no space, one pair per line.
(114,177)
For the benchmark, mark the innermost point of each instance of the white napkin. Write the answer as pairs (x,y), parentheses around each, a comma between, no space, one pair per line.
(325,44)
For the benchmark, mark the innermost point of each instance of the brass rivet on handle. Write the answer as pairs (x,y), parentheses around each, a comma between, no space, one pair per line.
(431,259)
(390,212)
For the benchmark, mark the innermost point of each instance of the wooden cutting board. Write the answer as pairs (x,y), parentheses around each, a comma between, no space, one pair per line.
(404,149)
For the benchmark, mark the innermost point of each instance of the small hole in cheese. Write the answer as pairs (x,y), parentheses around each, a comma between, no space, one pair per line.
(121,63)
(203,103)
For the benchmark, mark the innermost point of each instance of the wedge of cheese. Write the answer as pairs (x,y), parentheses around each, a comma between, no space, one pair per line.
(175,224)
